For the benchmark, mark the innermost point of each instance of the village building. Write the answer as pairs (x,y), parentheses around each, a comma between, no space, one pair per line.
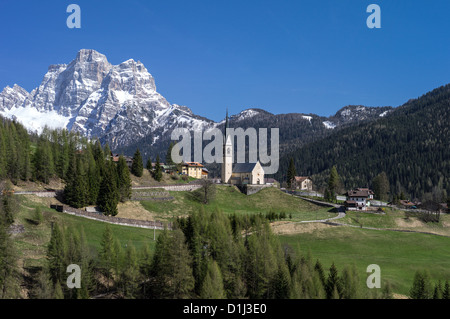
(194,169)
(359,199)
(302,183)
(247,173)
(128,159)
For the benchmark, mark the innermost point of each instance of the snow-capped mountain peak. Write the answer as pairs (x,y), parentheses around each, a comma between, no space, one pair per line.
(117,103)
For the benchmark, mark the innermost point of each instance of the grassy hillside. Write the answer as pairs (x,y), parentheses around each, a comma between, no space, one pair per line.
(231,200)
(32,242)
(399,255)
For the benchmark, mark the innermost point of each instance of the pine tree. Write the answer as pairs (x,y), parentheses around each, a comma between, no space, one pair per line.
(333,287)
(43,161)
(137,167)
(8,204)
(9,274)
(291,173)
(130,273)
(320,272)
(123,180)
(333,184)
(108,196)
(169,160)
(107,253)
(212,287)
(149,166)
(158,170)
(437,293)
(171,268)
(421,288)
(76,191)
(350,283)
(56,254)
(380,186)
(446,291)
(94,179)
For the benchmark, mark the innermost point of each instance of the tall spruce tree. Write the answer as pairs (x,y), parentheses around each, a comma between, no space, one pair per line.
(171,267)
(291,173)
(56,253)
(108,197)
(9,274)
(333,287)
(123,180)
(212,287)
(158,170)
(149,166)
(421,288)
(137,166)
(169,160)
(108,254)
(334,184)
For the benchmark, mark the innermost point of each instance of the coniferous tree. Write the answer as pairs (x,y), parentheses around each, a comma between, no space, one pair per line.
(169,160)
(123,180)
(446,291)
(137,167)
(158,170)
(171,268)
(333,287)
(437,293)
(421,288)
(43,161)
(380,186)
(320,272)
(56,253)
(8,204)
(108,196)
(130,273)
(333,184)
(9,274)
(291,172)
(350,283)
(212,287)
(93,179)
(107,253)
(76,191)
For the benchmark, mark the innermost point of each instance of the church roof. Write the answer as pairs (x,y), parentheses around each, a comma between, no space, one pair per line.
(243,167)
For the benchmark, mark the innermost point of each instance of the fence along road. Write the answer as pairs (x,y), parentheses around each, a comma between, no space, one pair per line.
(111,219)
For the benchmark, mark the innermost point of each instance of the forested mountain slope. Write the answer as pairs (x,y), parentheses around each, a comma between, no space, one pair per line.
(411,144)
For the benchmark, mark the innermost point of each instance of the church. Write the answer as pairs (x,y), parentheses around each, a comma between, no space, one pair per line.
(241,173)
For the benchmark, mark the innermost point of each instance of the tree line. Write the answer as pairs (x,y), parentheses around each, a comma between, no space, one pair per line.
(207,255)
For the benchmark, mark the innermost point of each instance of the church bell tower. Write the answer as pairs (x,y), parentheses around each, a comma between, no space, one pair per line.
(227,161)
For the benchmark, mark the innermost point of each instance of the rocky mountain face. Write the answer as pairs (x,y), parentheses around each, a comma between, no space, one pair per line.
(120,105)
(116,103)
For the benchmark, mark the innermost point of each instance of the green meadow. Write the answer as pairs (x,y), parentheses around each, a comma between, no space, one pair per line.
(32,243)
(398,254)
(231,201)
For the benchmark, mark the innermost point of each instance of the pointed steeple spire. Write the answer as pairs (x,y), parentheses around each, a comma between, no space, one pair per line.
(225,129)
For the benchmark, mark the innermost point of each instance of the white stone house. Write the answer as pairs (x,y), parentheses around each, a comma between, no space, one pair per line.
(359,199)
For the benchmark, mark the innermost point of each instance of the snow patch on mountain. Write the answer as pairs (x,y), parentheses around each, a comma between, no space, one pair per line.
(329,125)
(34,120)
(309,118)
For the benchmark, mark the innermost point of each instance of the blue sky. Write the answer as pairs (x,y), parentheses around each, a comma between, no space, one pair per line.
(283,56)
